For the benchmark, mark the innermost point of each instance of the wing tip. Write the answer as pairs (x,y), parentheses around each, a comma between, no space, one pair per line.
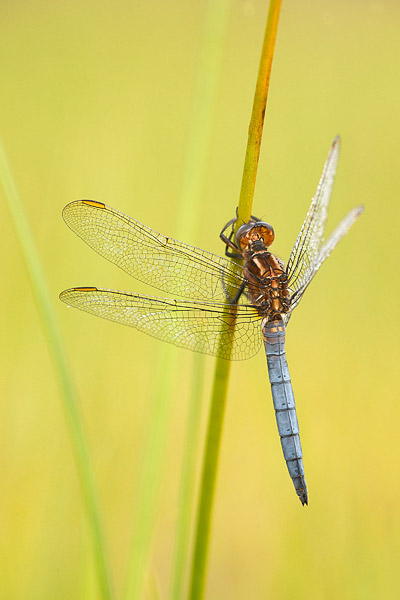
(92,203)
(65,293)
(355,213)
(359,209)
(335,147)
(86,202)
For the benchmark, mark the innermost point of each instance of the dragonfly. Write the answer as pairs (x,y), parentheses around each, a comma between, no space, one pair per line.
(225,308)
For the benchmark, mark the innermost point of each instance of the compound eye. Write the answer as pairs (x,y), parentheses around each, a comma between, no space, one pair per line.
(241,237)
(254,232)
(267,234)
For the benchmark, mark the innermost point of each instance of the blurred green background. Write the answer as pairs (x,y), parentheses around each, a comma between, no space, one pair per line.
(97,100)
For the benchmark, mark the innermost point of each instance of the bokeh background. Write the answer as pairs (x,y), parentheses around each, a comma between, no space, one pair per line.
(97,102)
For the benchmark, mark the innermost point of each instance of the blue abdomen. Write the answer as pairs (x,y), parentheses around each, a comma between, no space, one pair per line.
(284,404)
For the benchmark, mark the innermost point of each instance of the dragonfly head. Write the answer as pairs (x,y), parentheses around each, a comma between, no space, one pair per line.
(254,235)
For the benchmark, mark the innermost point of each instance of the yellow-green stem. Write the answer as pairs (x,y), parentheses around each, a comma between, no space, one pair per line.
(222,369)
(257,115)
(216,20)
(208,481)
(67,389)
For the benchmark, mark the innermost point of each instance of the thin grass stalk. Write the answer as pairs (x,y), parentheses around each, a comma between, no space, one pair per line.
(188,212)
(193,175)
(208,478)
(185,511)
(154,591)
(68,393)
(257,115)
(149,481)
(187,217)
(222,369)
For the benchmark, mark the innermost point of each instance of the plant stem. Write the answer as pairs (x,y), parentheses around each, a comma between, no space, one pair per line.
(215,26)
(67,390)
(150,480)
(208,479)
(257,115)
(222,369)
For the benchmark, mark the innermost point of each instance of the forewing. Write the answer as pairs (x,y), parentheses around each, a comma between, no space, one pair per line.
(159,261)
(308,244)
(326,250)
(337,235)
(205,327)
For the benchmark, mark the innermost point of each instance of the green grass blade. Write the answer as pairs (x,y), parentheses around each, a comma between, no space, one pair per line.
(208,479)
(187,483)
(195,161)
(193,175)
(139,574)
(67,391)
(258,114)
(220,389)
(200,128)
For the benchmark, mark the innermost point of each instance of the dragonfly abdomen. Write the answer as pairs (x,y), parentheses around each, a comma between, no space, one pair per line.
(284,404)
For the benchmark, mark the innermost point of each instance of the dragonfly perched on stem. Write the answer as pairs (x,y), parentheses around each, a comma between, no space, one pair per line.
(230,309)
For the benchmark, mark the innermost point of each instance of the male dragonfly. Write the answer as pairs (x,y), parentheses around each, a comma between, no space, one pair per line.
(261,292)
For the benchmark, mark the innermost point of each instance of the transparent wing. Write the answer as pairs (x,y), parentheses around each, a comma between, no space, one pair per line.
(302,259)
(326,250)
(159,261)
(309,251)
(199,326)
(337,235)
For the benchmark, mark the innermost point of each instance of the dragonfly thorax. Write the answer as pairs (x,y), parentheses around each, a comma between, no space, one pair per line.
(267,284)
(254,236)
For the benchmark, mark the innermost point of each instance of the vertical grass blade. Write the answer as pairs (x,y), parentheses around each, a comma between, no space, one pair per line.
(139,573)
(196,152)
(195,161)
(257,115)
(208,478)
(185,511)
(222,369)
(67,391)
(188,210)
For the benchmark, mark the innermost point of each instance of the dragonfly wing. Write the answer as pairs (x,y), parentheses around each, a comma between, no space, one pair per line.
(325,251)
(159,261)
(309,241)
(337,235)
(205,327)
(309,250)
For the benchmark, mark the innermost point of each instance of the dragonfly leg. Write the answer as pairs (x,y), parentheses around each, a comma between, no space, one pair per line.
(228,239)
(240,291)
(236,297)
